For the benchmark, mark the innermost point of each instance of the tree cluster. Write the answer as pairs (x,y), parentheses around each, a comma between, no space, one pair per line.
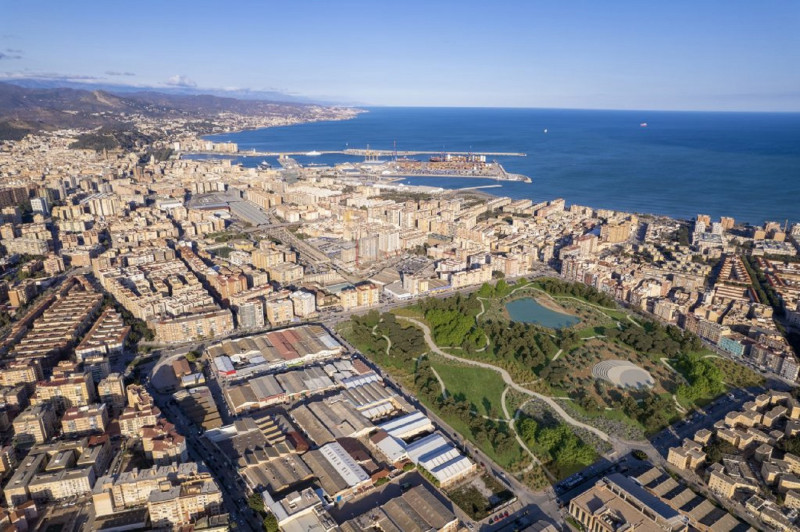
(654,412)
(521,343)
(653,339)
(703,376)
(558,442)
(407,342)
(124,136)
(764,290)
(717,448)
(790,445)
(557,287)
(500,290)
(452,320)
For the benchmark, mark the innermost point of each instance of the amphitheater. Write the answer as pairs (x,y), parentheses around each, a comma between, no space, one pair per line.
(623,374)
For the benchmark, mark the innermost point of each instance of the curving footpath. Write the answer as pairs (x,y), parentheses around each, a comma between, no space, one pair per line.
(441,382)
(507,379)
(388,343)
(513,425)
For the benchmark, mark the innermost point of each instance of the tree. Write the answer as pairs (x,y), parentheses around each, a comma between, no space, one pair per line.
(256,502)
(271,523)
(791,445)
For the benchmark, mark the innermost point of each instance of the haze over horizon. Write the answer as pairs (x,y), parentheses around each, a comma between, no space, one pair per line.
(717,56)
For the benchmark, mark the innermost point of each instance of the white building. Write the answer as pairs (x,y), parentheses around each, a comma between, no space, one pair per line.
(304,303)
(408,426)
(437,456)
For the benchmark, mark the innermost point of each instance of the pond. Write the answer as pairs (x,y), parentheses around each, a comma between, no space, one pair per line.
(528,310)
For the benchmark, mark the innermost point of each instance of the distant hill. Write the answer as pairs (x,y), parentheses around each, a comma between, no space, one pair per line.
(121,89)
(24,109)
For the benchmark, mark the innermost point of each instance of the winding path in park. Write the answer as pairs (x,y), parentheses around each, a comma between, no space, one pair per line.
(620,446)
(441,382)
(511,420)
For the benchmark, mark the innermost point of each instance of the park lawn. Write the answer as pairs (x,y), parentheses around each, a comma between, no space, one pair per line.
(481,387)
(512,457)
(588,332)
(411,311)
(737,375)
(613,414)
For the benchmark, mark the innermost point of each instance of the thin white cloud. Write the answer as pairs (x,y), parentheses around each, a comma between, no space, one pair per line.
(117,73)
(54,76)
(179,80)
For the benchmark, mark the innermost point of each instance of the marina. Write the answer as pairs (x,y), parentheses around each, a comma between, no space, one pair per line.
(390,163)
(365,152)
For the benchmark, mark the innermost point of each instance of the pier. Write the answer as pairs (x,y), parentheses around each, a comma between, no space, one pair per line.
(357,152)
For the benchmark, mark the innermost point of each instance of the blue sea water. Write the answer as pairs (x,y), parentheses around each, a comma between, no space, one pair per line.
(745,165)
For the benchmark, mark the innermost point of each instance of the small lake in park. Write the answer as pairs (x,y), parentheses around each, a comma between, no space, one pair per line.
(528,310)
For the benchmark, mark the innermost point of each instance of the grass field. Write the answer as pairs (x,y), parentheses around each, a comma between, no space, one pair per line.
(511,459)
(481,387)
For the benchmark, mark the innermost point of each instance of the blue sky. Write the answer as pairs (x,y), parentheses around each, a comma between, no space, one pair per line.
(715,55)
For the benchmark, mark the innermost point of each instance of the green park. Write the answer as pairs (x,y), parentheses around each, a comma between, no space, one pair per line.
(540,374)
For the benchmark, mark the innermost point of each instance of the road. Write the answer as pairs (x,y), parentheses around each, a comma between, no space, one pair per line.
(673,435)
(203,452)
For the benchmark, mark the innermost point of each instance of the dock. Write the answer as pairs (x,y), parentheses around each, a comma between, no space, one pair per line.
(358,152)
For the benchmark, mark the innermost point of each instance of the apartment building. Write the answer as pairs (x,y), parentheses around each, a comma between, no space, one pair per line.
(111,392)
(203,323)
(617,503)
(61,484)
(83,420)
(106,337)
(67,391)
(163,444)
(280,311)
(185,503)
(36,424)
(131,489)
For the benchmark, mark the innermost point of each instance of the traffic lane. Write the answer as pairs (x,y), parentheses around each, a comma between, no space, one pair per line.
(199,451)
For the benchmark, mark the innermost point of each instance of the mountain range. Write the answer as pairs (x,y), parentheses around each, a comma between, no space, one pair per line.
(26,109)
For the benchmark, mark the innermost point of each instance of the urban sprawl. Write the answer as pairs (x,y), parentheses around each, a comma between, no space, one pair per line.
(191,344)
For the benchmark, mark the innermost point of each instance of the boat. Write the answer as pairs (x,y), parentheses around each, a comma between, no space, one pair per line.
(545,130)
(643,124)
(264,165)
(313,153)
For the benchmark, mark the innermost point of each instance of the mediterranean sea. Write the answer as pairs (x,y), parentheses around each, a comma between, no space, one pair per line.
(744,165)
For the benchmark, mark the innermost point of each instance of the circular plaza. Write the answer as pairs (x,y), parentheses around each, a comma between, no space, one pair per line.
(624,374)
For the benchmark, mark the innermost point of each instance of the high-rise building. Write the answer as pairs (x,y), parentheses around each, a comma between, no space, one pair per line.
(35,424)
(183,504)
(304,303)
(79,421)
(111,391)
(250,314)
(40,205)
(280,311)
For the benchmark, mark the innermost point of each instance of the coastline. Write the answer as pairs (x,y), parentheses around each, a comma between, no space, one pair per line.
(356,111)
(606,173)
